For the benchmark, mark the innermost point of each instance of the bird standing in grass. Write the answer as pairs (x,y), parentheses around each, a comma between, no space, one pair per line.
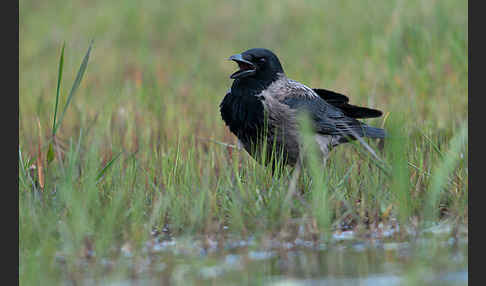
(262,106)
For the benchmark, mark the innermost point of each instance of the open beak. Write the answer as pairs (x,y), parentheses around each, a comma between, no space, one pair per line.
(247,68)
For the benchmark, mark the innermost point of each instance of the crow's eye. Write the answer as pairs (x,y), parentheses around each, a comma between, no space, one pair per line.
(262,60)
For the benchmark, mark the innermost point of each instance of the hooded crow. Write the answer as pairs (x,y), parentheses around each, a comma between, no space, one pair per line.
(262,106)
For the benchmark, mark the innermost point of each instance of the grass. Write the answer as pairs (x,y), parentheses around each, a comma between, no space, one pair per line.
(140,146)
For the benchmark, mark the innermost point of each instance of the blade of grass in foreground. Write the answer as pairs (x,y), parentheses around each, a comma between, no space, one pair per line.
(442,171)
(396,151)
(319,194)
(75,86)
(108,165)
(59,79)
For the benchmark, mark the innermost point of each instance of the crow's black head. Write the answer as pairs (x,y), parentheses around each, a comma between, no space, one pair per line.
(257,64)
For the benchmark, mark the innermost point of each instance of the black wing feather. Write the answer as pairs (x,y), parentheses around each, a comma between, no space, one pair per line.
(341,101)
(331,96)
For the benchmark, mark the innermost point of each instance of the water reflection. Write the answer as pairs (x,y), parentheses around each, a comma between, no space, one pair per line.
(433,259)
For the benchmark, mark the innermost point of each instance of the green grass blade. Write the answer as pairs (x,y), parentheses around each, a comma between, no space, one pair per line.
(316,164)
(440,177)
(75,86)
(59,79)
(107,166)
(436,148)
(396,151)
(22,163)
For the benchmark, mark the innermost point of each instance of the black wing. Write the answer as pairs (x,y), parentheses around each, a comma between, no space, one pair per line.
(330,120)
(341,101)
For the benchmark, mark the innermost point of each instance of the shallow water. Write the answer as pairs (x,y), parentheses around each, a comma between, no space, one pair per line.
(431,258)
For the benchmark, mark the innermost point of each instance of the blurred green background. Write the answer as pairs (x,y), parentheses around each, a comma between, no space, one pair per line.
(167,59)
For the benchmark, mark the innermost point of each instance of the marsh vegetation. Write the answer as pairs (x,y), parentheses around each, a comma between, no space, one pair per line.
(127,174)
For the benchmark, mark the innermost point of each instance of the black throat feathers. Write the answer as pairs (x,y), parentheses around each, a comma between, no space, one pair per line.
(242,110)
